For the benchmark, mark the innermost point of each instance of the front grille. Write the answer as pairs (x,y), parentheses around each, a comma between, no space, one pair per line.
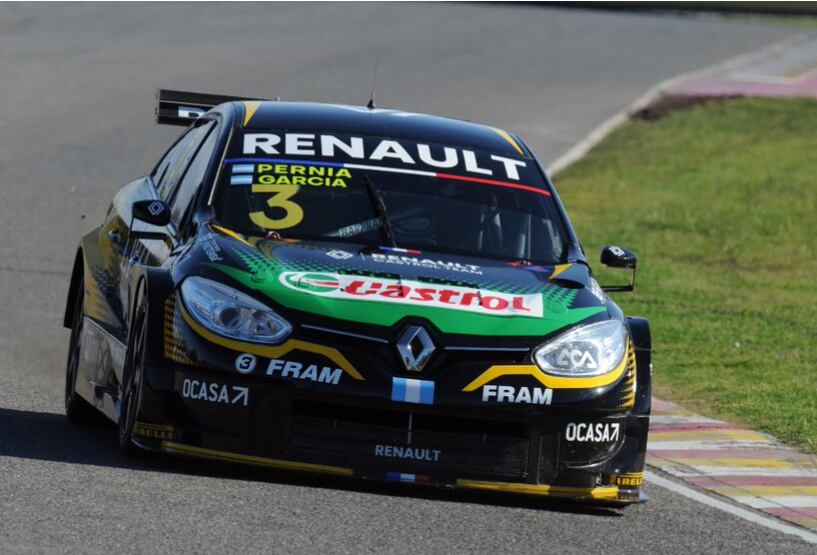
(381,439)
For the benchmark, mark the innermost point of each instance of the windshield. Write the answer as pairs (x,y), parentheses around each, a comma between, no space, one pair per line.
(360,191)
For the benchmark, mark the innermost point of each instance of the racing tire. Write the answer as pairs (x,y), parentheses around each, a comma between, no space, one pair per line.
(77,409)
(132,377)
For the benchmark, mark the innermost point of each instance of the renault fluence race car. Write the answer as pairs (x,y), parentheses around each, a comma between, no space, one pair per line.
(357,292)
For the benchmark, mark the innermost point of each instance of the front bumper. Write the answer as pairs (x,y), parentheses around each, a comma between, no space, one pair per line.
(243,419)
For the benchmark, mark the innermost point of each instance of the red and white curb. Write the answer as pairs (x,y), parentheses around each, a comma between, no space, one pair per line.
(749,467)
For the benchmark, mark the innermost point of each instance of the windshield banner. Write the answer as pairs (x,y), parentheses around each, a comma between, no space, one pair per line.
(375,154)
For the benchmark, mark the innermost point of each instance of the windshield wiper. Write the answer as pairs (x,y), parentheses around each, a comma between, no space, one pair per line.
(386,232)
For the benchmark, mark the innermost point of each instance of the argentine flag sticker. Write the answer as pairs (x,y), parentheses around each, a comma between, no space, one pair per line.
(242,174)
(412,391)
(243,168)
(241,179)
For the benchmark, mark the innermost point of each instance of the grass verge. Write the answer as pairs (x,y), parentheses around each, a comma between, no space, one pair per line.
(720,202)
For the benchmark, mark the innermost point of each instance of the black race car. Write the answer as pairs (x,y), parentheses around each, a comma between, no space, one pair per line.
(358,292)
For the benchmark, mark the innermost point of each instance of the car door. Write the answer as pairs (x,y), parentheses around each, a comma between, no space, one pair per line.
(116,252)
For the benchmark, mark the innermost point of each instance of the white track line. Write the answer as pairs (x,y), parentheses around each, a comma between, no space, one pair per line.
(676,419)
(580,149)
(746,514)
(778,501)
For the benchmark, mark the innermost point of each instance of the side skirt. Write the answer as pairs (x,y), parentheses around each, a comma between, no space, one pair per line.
(102,357)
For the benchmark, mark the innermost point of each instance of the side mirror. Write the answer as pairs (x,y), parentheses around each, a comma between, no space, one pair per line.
(154,212)
(617,257)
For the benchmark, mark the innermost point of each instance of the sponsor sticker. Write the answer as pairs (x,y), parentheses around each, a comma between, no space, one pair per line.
(215,392)
(596,290)
(631,480)
(303,175)
(383,151)
(408,478)
(152,431)
(412,391)
(407,453)
(575,358)
(431,263)
(210,247)
(415,293)
(300,371)
(592,432)
(189,112)
(245,363)
(521,395)
(282,172)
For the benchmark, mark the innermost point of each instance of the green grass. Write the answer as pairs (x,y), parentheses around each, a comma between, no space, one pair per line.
(720,203)
(805,21)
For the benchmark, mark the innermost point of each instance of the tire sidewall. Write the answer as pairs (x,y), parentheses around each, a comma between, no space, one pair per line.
(72,364)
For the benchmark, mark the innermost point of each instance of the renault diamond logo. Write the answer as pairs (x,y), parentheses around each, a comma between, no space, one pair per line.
(339,254)
(415,348)
(155,208)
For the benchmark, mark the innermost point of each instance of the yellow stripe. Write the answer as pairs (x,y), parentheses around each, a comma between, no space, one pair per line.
(606,492)
(172,447)
(804,522)
(233,234)
(765,491)
(250,107)
(552,382)
(558,270)
(708,436)
(507,137)
(273,351)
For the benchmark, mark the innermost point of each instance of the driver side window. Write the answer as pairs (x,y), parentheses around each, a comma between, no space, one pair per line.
(169,171)
(193,176)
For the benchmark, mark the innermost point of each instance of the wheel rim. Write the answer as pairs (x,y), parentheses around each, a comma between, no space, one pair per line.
(73,348)
(130,394)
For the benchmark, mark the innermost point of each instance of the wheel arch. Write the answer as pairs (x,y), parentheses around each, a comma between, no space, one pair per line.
(76,276)
(642,342)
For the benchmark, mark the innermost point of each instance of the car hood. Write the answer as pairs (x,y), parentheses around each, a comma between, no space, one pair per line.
(457,294)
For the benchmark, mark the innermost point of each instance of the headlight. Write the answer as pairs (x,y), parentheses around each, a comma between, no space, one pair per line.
(230,313)
(591,350)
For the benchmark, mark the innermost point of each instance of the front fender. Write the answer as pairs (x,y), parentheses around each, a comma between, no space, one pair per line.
(158,286)
(642,341)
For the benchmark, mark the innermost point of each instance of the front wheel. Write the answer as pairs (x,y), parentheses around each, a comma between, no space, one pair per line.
(77,409)
(132,383)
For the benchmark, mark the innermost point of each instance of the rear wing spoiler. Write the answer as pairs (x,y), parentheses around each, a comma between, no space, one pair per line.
(182,107)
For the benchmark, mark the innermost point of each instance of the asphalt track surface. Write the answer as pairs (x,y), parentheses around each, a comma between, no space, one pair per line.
(76,122)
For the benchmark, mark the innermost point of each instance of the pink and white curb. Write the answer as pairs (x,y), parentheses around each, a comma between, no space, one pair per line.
(749,467)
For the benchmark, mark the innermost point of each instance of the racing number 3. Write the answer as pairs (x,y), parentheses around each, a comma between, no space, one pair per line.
(280,199)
